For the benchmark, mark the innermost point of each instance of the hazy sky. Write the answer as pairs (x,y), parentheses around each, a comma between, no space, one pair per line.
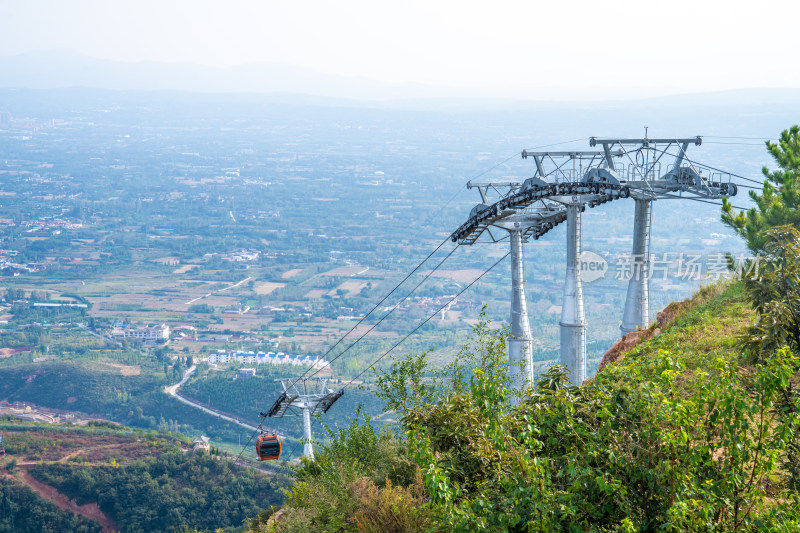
(675,45)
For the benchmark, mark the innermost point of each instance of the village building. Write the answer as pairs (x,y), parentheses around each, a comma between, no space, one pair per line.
(221,357)
(247,373)
(201,444)
(143,333)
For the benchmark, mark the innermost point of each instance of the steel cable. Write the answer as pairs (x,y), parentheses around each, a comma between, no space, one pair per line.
(387,352)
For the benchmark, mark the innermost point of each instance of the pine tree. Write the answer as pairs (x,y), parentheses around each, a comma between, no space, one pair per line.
(779,199)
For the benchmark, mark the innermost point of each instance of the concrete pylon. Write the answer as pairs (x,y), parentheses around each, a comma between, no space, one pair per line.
(573,319)
(520,340)
(308,448)
(637,302)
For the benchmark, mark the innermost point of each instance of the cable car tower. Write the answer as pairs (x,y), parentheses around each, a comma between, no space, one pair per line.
(304,397)
(641,170)
(563,184)
(529,210)
(516,226)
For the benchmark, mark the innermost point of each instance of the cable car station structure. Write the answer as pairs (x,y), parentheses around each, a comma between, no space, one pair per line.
(563,185)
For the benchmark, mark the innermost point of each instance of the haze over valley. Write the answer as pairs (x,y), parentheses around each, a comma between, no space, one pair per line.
(248,196)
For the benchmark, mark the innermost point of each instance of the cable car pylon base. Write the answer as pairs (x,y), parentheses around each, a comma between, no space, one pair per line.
(573,318)
(637,302)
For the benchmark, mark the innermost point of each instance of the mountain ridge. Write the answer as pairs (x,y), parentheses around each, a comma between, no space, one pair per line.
(60,68)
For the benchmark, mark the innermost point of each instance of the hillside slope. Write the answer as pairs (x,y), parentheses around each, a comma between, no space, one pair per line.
(709,322)
(127,480)
(102,390)
(683,432)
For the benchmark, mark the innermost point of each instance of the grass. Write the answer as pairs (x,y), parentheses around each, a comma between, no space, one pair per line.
(710,324)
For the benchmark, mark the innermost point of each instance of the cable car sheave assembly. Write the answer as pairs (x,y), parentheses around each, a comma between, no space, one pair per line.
(563,184)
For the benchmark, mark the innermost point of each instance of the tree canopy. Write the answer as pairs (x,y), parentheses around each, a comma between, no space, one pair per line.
(779,199)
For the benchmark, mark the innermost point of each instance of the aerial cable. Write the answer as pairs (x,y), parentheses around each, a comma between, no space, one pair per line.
(560,143)
(725,172)
(503,162)
(390,311)
(424,260)
(712,168)
(294,448)
(438,211)
(702,200)
(736,143)
(264,415)
(246,444)
(376,306)
(515,154)
(387,352)
(730,137)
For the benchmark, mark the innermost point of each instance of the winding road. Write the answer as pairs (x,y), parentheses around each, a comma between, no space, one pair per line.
(190,302)
(172,390)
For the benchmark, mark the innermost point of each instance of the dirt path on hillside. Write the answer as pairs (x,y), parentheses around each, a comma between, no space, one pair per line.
(89,510)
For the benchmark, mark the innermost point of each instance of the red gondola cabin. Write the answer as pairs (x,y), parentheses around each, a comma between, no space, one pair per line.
(268,447)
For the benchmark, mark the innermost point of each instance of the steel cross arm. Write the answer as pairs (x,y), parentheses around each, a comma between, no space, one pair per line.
(594,141)
(586,154)
(471,185)
(531,224)
(515,205)
(483,188)
(294,400)
(528,216)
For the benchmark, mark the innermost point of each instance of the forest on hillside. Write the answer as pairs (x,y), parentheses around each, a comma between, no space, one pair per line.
(140,481)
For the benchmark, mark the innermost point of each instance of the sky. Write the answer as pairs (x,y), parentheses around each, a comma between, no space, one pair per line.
(593,46)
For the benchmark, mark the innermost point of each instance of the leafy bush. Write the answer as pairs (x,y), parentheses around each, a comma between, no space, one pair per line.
(662,440)
(360,478)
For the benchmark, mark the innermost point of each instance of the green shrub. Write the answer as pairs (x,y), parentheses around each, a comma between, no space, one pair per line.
(683,434)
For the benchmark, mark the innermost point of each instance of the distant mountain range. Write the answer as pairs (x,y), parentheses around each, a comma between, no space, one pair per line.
(55,69)
(59,68)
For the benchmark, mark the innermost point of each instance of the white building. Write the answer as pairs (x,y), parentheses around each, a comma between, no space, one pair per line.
(269,358)
(201,444)
(143,333)
(245,373)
